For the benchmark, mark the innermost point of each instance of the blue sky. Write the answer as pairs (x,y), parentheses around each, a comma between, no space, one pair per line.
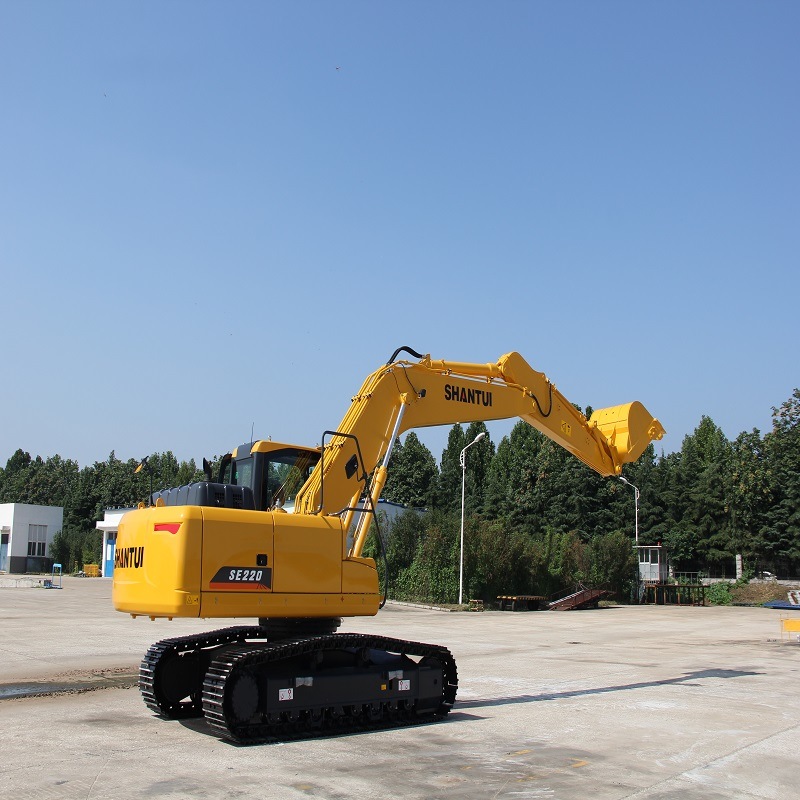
(217,216)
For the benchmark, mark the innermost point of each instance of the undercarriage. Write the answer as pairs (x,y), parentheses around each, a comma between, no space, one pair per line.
(252,688)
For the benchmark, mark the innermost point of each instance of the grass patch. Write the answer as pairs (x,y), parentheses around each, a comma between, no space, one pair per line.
(757,593)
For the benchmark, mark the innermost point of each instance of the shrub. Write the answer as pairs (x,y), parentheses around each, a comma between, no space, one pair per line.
(719,594)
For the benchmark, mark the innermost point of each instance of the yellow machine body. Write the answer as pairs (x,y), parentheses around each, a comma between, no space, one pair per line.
(194,561)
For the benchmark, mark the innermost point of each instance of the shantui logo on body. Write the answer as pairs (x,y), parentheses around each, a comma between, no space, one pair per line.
(475,397)
(129,557)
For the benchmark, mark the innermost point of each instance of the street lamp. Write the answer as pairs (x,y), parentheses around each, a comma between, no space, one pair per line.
(636,502)
(462,459)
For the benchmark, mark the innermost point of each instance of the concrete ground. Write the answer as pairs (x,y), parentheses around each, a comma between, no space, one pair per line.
(628,702)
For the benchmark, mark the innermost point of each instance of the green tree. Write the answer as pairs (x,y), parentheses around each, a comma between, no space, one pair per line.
(511,478)
(404,536)
(560,494)
(433,574)
(499,560)
(498,481)
(751,497)
(695,488)
(571,560)
(614,563)
(60,550)
(705,464)
(16,477)
(413,474)
(477,461)
(664,502)
(781,533)
(448,495)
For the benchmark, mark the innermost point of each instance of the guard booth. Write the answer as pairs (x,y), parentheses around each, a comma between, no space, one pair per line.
(655,586)
(653,564)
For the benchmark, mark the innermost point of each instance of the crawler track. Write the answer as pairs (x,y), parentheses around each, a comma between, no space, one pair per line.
(252,691)
(172,671)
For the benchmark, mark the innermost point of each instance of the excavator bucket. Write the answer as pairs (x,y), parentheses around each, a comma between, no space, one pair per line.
(628,428)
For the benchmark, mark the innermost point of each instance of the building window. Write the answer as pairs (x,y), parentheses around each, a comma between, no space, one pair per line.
(37,540)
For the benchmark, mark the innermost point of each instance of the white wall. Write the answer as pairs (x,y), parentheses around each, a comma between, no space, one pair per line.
(18,516)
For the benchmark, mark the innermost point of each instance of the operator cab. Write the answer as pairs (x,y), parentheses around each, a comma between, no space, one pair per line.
(266,476)
(274,472)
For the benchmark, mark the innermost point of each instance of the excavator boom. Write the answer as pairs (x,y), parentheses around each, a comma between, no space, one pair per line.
(403,395)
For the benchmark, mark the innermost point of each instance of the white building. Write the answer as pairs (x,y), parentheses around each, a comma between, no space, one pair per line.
(26,536)
(109,526)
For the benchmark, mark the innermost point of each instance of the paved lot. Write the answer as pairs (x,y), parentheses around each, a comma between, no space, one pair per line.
(625,702)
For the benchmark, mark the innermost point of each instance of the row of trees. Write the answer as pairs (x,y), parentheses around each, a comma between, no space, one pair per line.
(537,520)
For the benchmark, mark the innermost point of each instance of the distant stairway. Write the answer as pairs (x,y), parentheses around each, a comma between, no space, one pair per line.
(579,598)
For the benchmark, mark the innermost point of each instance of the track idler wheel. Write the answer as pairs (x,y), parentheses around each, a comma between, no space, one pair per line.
(178,686)
(243,698)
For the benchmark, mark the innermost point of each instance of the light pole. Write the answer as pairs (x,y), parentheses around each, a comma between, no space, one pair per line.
(636,505)
(462,459)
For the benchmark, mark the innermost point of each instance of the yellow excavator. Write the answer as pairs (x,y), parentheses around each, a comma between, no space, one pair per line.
(279,536)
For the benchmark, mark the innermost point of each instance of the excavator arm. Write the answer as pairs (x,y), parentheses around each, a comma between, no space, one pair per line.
(403,395)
